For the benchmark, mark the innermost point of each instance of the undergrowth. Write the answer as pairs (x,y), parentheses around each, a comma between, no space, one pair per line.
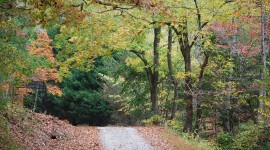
(10,114)
(246,136)
(6,141)
(175,127)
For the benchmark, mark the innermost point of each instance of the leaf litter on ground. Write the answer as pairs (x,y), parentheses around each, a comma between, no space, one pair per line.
(44,132)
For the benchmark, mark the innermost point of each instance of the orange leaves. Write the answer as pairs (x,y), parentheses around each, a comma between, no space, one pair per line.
(41,47)
(54,90)
(174,22)
(23,91)
(5,87)
(45,75)
(237,13)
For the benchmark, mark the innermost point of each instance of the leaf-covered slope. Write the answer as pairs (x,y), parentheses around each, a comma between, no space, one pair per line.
(38,131)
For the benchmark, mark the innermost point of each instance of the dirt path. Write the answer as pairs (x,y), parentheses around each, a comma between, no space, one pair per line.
(35,131)
(140,138)
(161,139)
(122,138)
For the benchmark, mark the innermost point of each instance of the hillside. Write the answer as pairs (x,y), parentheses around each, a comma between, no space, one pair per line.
(38,131)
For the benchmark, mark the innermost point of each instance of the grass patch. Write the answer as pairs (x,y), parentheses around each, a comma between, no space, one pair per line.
(177,141)
(195,141)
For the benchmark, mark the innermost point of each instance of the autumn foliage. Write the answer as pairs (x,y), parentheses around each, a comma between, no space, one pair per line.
(42,49)
(227,36)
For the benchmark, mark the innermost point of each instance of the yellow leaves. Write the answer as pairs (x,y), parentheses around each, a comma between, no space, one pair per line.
(135,63)
(265,110)
(164,93)
(180,76)
(237,13)
(73,39)
(117,41)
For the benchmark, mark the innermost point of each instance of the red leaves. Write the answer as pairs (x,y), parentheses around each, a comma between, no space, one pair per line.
(247,50)
(242,35)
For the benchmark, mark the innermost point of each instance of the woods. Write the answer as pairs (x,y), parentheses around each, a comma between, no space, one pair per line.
(199,67)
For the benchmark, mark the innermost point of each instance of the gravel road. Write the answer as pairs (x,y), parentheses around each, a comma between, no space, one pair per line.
(122,138)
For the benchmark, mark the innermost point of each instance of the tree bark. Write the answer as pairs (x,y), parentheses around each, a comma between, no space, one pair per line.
(155,75)
(171,73)
(263,62)
(188,86)
(152,73)
(199,96)
(185,51)
(35,101)
(203,65)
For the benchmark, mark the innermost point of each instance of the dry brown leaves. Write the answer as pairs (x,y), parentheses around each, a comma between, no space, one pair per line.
(162,140)
(35,131)
(44,132)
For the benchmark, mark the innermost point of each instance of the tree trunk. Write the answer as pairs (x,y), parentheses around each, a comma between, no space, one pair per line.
(185,51)
(188,95)
(199,96)
(35,101)
(203,65)
(155,75)
(227,121)
(263,62)
(154,97)
(152,74)
(171,72)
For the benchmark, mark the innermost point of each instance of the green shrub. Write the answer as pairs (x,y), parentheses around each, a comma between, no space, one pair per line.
(224,140)
(83,107)
(264,138)
(265,147)
(154,120)
(175,124)
(81,102)
(197,141)
(247,137)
